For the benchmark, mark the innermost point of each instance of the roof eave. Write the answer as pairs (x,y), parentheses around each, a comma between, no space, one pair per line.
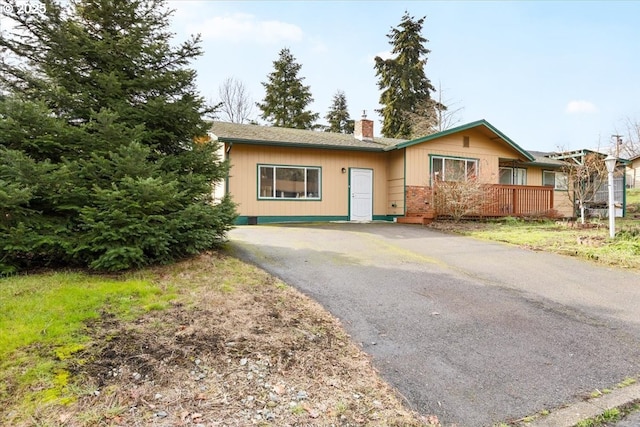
(462,128)
(298,144)
(543,164)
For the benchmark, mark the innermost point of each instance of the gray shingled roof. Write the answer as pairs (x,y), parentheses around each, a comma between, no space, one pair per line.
(268,135)
(540,158)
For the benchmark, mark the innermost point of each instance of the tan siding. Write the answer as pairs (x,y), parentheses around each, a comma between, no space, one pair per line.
(562,204)
(395,183)
(481,147)
(243,180)
(534,176)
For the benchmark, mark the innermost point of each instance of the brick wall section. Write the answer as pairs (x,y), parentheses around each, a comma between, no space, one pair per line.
(418,200)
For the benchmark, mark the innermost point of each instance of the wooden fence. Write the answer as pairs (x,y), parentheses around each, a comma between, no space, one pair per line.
(517,200)
(459,200)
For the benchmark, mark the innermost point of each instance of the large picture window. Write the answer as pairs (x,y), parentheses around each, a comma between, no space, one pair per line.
(288,182)
(453,169)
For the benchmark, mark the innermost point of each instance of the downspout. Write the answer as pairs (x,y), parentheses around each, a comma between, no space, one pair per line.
(404,173)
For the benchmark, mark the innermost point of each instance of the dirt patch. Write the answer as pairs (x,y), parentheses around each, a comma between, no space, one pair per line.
(252,353)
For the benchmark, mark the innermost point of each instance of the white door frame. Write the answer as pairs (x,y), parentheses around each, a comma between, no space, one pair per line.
(360,194)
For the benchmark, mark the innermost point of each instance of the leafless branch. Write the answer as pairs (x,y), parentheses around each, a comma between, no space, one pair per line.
(235,103)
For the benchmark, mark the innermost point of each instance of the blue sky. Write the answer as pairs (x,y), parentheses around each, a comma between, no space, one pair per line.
(548,74)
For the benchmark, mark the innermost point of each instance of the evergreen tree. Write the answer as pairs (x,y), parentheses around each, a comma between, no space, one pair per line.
(338,115)
(286,98)
(406,91)
(103,147)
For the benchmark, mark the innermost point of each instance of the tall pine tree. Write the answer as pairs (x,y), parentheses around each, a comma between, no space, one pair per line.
(406,90)
(286,98)
(338,115)
(110,165)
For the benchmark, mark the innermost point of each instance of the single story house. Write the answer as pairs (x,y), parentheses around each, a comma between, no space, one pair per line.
(284,175)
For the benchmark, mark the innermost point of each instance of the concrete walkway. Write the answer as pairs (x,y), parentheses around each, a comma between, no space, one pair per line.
(477,333)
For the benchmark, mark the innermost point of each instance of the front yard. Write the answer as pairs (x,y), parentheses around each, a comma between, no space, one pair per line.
(589,241)
(213,340)
(207,341)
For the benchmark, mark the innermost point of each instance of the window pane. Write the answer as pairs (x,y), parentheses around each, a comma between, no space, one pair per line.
(471,169)
(436,168)
(454,170)
(285,182)
(447,169)
(548,179)
(266,181)
(313,183)
(505,176)
(289,182)
(561,181)
(520,176)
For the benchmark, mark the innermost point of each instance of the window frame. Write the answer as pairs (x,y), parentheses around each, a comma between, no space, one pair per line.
(275,168)
(558,184)
(467,160)
(514,173)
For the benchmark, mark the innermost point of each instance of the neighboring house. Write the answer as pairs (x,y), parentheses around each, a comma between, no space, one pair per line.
(633,172)
(283,175)
(597,205)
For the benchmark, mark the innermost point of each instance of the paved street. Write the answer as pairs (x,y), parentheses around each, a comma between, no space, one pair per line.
(473,332)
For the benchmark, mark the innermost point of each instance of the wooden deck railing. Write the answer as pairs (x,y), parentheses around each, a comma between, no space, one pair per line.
(517,200)
(490,200)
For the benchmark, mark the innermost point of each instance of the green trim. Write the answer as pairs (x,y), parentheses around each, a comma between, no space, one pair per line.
(244,220)
(405,182)
(284,199)
(462,128)
(583,152)
(380,149)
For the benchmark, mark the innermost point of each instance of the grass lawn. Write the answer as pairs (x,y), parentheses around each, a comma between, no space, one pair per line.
(567,238)
(633,197)
(44,322)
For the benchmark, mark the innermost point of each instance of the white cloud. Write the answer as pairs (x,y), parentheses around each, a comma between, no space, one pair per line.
(241,27)
(580,106)
(386,54)
(318,46)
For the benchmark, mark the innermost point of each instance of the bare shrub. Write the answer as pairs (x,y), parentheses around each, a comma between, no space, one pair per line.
(457,199)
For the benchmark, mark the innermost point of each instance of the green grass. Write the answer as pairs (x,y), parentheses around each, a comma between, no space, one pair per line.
(608,416)
(43,320)
(622,251)
(633,196)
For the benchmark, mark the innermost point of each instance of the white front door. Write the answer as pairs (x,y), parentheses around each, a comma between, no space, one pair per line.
(361,186)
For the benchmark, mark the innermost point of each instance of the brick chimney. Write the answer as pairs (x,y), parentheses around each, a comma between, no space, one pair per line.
(363,128)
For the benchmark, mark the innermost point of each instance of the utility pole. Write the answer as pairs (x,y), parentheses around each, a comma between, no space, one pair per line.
(618,143)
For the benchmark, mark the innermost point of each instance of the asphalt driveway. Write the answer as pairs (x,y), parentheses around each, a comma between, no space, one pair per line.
(473,332)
